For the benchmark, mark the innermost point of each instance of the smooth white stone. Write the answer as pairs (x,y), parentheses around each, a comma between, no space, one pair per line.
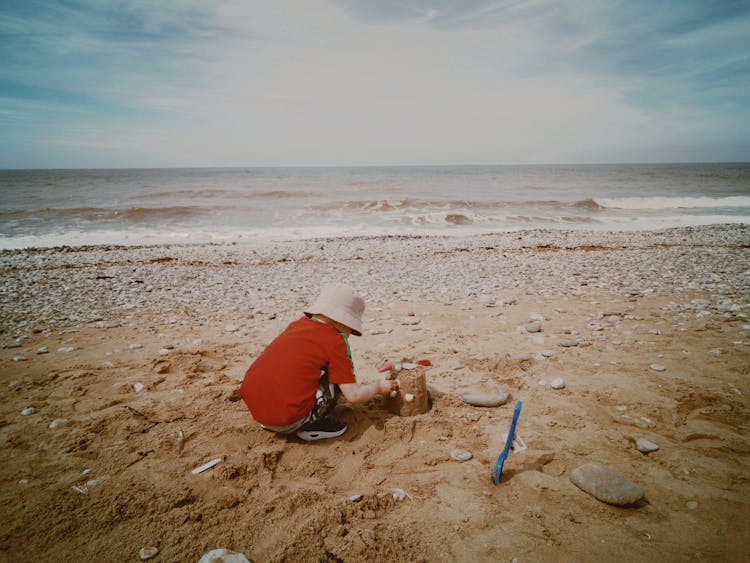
(147,553)
(558,383)
(645,446)
(461,455)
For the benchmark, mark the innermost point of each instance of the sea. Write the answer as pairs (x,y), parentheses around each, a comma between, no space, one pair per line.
(132,207)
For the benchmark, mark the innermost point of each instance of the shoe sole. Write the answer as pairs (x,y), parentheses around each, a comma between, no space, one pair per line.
(318,435)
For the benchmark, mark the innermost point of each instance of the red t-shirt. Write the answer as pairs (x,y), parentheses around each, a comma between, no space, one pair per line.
(279,387)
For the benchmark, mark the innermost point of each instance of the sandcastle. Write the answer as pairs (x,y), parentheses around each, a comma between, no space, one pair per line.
(412,397)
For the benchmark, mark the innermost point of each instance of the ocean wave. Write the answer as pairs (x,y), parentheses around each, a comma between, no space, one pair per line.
(213,193)
(408,204)
(96,214)
(645,203)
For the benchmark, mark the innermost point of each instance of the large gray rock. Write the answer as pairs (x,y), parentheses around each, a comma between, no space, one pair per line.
(606,484)
(484,398)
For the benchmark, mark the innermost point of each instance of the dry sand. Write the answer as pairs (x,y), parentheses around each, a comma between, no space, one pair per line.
(146,344)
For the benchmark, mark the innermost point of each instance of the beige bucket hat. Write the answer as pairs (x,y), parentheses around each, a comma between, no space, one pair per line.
(340,303)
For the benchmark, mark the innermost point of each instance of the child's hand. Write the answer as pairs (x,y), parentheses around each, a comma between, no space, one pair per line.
(385,386)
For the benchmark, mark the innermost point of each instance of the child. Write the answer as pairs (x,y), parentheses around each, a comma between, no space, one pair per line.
(293,386)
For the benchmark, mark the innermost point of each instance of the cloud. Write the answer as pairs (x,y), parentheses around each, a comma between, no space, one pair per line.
(369,82)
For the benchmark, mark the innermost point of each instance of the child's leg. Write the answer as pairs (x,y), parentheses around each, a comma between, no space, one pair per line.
(326,398)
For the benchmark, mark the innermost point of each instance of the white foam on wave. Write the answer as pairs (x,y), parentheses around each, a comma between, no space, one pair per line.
(644,203)
(436,226)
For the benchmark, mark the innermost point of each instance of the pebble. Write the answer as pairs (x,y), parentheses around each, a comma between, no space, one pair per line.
(354,498)
(535,326)
(207,465)
(138,387)
(480,398)
(645,446)
(230,328)
(461,455)
(410,321)
(399,494)
(43,350)
(606,484)
(488,301)
(547,353)
(657,367)
(57,423)
(223,556)
(66,349)
(135,346)
(569,343)
(692,505)
(558,383)
(27,411)
(147,553)
(164,351)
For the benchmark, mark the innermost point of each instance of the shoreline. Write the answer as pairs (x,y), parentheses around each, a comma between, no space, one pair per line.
(133,346)
(584,233)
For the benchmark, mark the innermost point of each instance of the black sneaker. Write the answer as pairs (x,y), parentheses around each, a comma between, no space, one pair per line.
(322,429)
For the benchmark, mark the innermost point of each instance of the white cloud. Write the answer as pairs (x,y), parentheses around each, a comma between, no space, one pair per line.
(334,82)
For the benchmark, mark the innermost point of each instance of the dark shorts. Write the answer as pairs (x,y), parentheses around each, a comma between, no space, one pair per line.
(326,397)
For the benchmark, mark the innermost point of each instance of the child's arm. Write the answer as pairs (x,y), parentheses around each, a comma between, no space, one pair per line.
(357,393)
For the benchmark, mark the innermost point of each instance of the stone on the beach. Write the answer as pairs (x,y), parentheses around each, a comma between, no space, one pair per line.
(147,553)
(57,423)
(521,357)
(135,346)
(461,455)
(399,494)
(645,446)
(606,484)
(231,328)
(223,556)
(480,398)
(547,353)
(657,367)
(42,350)
(410,321)
(558,383)
(533,326)
(488,301)
(66,349)
(692,505)
(354,498)
(569,343)
(138,387)
(27,411)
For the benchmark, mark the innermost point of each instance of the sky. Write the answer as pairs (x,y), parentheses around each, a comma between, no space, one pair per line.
(157,83)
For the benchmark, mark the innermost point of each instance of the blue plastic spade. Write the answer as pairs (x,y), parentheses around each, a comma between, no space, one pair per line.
(506,450)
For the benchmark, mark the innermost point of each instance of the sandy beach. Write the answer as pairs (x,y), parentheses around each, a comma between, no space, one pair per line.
(120,366)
